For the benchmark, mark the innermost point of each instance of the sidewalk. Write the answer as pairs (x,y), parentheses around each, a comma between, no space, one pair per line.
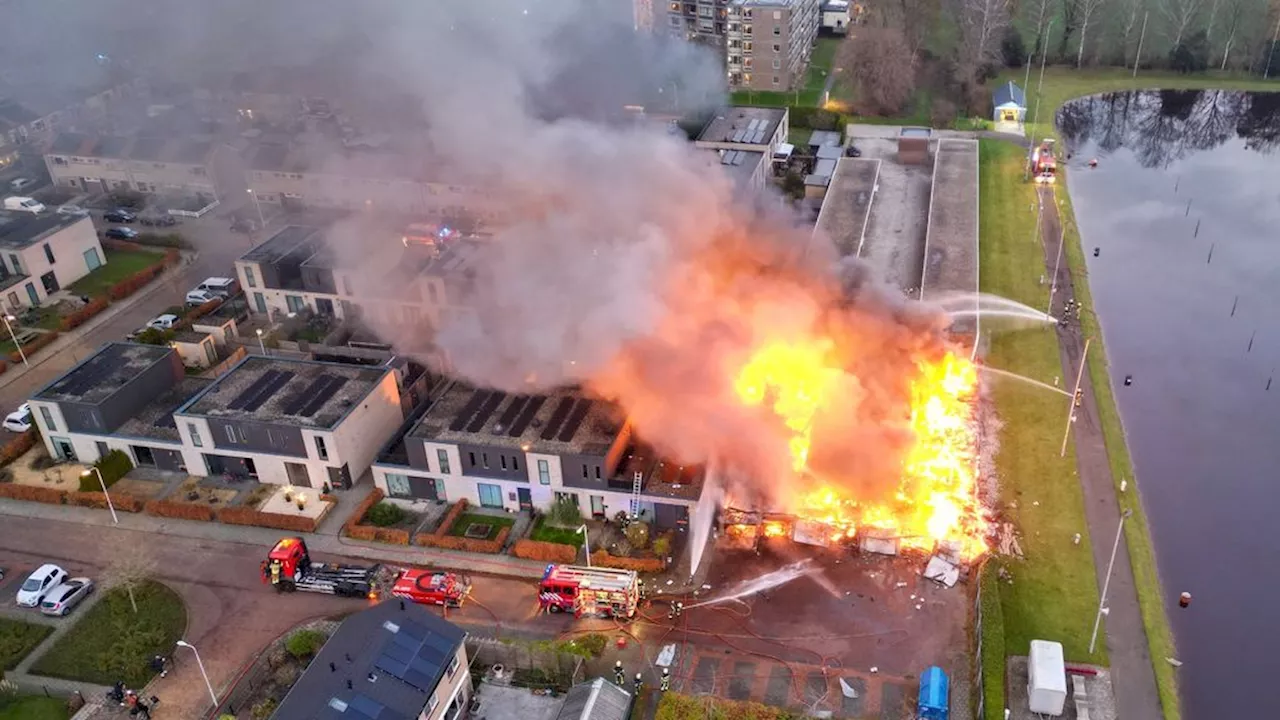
(1134,680)
(66,340)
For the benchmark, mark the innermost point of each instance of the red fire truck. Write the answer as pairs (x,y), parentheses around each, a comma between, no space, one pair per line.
(428,587)
(587,592)
(1044,163)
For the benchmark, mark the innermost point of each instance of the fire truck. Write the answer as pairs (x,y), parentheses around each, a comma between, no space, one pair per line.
(288,567)
(1044,166)
(589,592)
(432,588)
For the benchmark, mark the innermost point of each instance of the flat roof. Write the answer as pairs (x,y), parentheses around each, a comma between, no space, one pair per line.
(743,125)
(662,477)
(848,201)
(387,660)
(563,421)
(740,165)
(142,148)
(951,241)
(287,391)
(22,229)
(822,138)
(915,132)
(155,419)
(98,376)
(302,240)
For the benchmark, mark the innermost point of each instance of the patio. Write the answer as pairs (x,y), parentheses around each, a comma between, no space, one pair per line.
(296,502)
(57,475)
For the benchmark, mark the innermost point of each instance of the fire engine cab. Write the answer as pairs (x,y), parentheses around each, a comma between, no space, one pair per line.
(1044,164)
(432,588)
(589,592)
(288,567)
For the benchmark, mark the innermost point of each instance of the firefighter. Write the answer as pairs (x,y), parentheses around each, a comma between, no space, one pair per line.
(618,675)
(1079,397)
(666,679)
(275,573)
(639,683)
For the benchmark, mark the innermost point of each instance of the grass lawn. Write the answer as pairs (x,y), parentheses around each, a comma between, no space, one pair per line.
(545,532)
(120,265)
(35,707)
(110,642)
(495,523)
(17,639)
(1054,591)
(821,62)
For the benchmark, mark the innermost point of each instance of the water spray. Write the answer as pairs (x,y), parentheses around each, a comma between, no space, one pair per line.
(769,580)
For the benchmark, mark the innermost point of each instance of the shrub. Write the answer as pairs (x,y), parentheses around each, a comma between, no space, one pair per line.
(17,447)
(391,536)
(602,558)
(264,709)
(30,348)
(34,493)
(169,240)
(113,466)
(544,551)
(122,502)
(181,510)
(81,316)
(451,517)
(304,644)
(369,501)
(662,545)
(257,518)
(385,514)
(564,513)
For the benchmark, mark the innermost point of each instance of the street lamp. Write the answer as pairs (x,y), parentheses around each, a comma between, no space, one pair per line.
(586,542)
(1106,585)
(8,319)
(93,470)
(262,222)
(1071,402)
(261,345)
(212,695)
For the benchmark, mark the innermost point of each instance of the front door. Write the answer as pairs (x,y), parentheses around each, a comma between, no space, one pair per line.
(597,505)
(143,455)
(526,499)
(50,282)
(31,293)
(260,302)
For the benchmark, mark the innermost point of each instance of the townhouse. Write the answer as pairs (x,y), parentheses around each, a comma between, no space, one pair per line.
(140,164)
(41,253)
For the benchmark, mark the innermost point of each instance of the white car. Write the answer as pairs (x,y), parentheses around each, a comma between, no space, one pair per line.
(39,583)
(164,322)
(19,420)
(72,210)
(63,598)
(21,183)
(200,297)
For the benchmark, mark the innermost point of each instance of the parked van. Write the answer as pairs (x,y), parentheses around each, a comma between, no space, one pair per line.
(220,286)
(23,204)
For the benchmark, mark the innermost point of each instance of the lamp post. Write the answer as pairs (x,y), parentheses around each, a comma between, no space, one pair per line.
(8,319)
(212,695)
(262,221)
(261,345)
(586,542)
(93,470)
(1071,403)
(1106,584)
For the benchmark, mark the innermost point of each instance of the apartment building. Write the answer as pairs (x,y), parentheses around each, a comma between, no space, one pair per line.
(398,282)
(768,42)
(701,21)
(525,452)
(390,661)
(42,253)
(274,420)
(140,164)
(32,111)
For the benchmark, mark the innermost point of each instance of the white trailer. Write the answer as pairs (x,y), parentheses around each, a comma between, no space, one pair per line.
(1046,678)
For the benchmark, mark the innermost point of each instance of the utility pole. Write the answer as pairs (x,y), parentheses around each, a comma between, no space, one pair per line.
(1138,58)
(1106,584)
(1044,53)
(1266,74)
(1071,403)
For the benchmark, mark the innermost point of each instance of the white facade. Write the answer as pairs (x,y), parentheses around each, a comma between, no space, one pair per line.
(75,252)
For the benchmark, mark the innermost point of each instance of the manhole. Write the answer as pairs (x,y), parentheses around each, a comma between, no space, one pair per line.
(477,531)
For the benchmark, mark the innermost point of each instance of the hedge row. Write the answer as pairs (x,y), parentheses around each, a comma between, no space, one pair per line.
(353,521)
(138,280)
(33,492)
(3,366)
(40,341)
(17,447)
(168,240)
(602,558)
(181,510)
(257,518)
(545,551)
(452,542)
(993,645)
(122,502)
(81,316)
(450,518)
(113,466)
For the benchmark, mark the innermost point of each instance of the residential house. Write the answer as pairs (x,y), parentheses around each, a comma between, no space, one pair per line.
(836,17)
(769,42)
(272,419)
(1009,105)
(141,164)
(754,129)
(746,169)
(41,253)
(391,661)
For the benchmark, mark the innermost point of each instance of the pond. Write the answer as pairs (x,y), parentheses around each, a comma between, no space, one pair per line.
(1183,209)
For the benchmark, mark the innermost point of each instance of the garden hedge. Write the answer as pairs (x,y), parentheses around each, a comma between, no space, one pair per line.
(452,542)
(181,510)
(257,518)
(544,551)
(30,348)
(33,492)
(122,502)
(17,447)
(81,316)
(602,558)
(113,466)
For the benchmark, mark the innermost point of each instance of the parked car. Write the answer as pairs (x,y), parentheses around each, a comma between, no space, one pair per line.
(19,420)
(162,322)
(852,151)
(200,297)
(72,210)
(158,220)
(21,183)
(119,215)
(120,233)
(221,286)
(243,225)
(65,597)
(39,583)
(23,204)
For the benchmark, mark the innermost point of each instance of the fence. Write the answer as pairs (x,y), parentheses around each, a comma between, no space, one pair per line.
(977,652)
(194,213)
(236,356)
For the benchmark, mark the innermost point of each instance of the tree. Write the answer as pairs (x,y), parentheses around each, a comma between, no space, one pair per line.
(1087,9)
(131,566)
(793,185)
(1012,48)
(1179,16)
(883,69)
(982,24)
(1192,54)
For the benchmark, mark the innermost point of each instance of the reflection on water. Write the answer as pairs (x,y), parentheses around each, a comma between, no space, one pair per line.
(1183,208)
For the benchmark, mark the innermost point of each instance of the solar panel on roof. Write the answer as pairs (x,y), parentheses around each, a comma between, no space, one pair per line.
(460,420)
(575,420)
(300,400)
(322,396)
(531,408)
(270,389)
(486,409)
(366,706)
(509,415)
(417,660)
(253,389)
(557,418)
(165,421)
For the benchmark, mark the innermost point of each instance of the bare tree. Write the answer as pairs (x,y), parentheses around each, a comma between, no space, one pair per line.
(1131,11)
(914,18)
(1236,12)
(131,566)
(1179,15)
(982,23)
(1087,9)
(883,68)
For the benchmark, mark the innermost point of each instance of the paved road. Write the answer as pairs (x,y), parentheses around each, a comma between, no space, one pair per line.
(1137,697)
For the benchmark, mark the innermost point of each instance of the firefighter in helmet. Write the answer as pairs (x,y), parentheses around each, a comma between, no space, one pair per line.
(275,573)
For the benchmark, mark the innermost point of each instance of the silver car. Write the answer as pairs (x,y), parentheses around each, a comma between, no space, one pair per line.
(63,599)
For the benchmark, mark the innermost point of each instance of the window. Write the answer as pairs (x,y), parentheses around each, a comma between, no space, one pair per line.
(48,254)
(17,263)
(504,461)
(295,303)
(471,457)
(777,30)
(321,450)
(195,435)
(777,47)
(260,302)
(92,260)
(346,284)
(544,472)
(484,458)
(777,64)
(453,666)
(775,80)
(433,702)
(777,14)
(398,485)
(442,456)
(597,472)
(490,495)
(48,419)
(249,277)
(231,434)
(515,463)
(585,476)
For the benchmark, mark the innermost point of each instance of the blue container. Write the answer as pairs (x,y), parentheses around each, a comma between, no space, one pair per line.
(935,691)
